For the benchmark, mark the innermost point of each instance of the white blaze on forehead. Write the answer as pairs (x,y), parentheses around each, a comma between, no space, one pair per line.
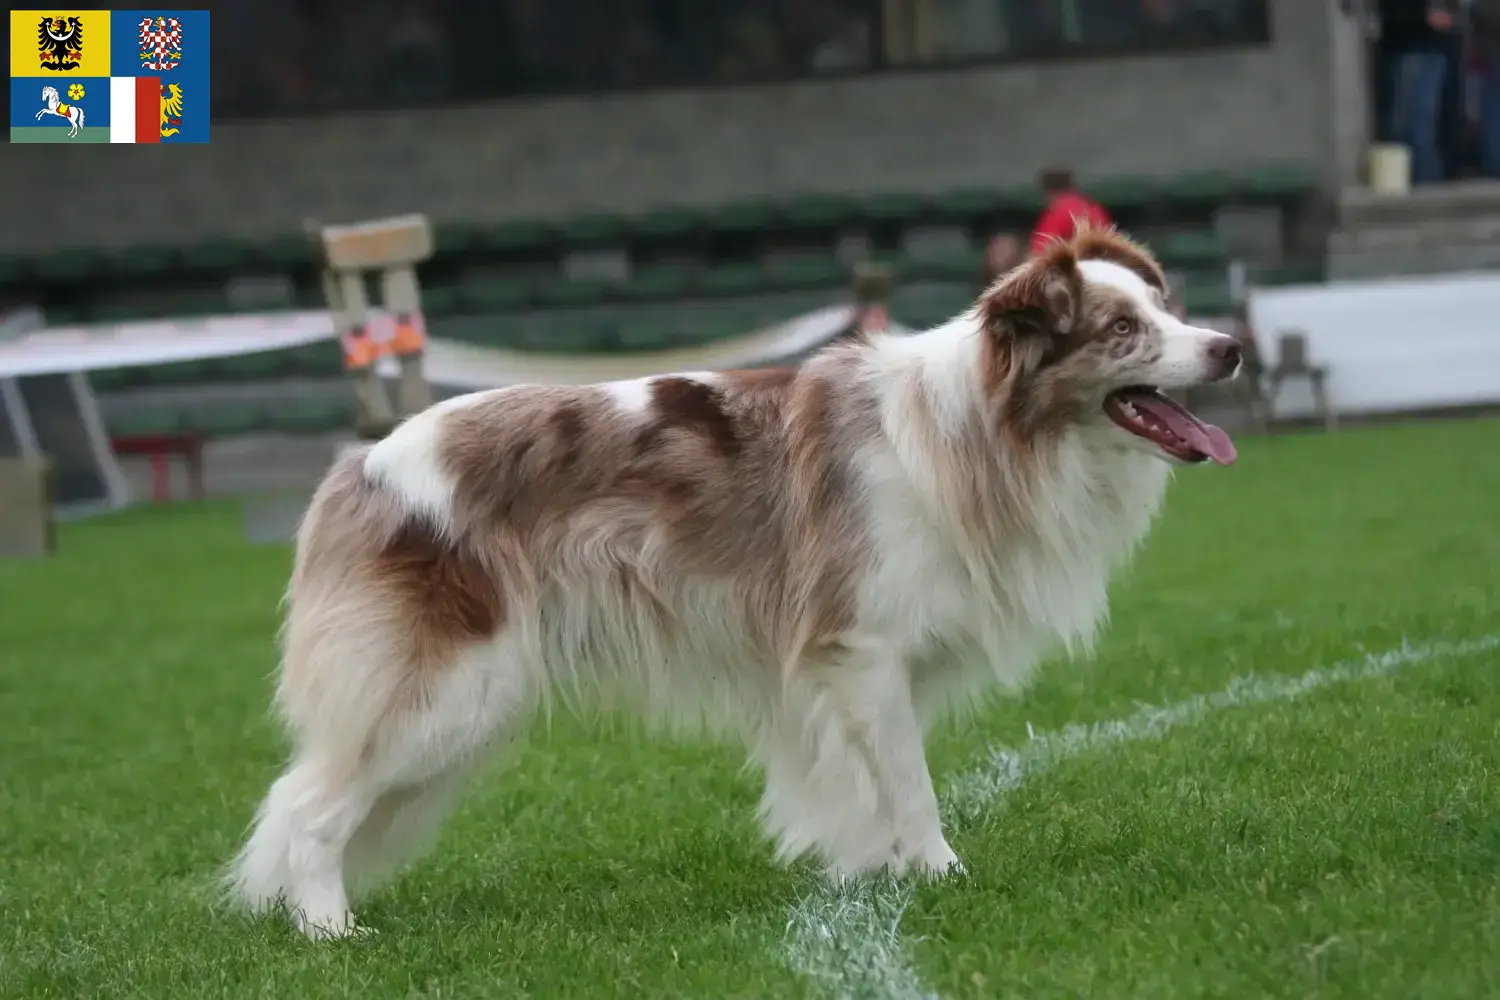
(1120,278)
(1182,351)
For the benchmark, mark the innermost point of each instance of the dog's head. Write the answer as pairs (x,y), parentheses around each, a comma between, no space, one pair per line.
(1080,335)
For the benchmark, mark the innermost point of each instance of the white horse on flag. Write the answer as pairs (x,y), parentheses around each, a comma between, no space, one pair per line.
(72,112)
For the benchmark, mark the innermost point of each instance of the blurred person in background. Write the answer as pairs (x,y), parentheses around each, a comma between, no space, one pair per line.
(1415,39)
(1066,207)
(1484,35)
(1002,253)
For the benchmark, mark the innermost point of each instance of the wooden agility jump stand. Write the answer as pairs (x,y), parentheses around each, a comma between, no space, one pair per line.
(393,247)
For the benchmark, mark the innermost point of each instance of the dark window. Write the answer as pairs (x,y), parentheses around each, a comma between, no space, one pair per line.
(281,57)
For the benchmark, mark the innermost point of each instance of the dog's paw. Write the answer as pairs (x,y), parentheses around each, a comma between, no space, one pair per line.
(332,928)
(933,860)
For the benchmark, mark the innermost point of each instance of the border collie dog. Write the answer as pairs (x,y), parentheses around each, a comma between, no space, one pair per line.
(820,559)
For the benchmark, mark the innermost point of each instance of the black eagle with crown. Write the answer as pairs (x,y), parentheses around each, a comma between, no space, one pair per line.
(59,42)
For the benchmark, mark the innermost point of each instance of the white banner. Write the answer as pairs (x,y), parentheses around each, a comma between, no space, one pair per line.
(1390,345)
(467,366)
(82,348)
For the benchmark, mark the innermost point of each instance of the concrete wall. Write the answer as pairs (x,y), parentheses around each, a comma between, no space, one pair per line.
(911,132)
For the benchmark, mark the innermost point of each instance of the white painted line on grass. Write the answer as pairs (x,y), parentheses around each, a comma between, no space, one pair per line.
(847,940)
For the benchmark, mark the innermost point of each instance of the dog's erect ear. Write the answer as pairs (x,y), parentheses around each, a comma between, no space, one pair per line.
(1040,298)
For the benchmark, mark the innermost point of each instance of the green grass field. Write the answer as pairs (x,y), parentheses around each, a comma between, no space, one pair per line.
(1345,843)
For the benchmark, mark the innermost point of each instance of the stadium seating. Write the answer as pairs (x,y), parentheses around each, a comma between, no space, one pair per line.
(687,275)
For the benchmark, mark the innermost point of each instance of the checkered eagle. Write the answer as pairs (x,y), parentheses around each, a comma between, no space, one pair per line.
(161,43)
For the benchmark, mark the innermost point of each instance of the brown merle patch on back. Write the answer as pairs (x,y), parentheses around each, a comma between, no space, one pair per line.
(693,406)
(568,425)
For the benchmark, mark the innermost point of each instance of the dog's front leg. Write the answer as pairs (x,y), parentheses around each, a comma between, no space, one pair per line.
(876,741)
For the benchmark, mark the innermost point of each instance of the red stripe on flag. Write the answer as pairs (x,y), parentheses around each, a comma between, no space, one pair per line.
(148,109)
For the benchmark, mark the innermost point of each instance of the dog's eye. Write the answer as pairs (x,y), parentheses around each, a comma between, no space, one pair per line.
(1124,326)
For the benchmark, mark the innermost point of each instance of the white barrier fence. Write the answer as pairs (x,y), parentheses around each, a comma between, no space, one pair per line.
(1392,345)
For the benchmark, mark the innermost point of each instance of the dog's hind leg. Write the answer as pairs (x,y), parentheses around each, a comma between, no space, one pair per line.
(401,827)
(328,804)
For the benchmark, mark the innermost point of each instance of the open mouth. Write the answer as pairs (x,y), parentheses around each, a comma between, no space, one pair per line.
(1145,412)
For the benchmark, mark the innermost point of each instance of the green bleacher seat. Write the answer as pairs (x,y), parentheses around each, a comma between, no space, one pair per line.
(666,224)
(125,312)
(1190,250)
(199,303)
(1025,201)
(571,292)
(482,330)
(1305,272)
(710,329)
(66,316)
(748,317)
(216,255)
(568,336)
(1207,298)
(12,269)
(495,296)
(254,367)
(1277,181)
(647,335)
(732,279)
(512,237)
(135,262)
(1203,187)
(813,272)
(291,250)
(655,284)
(741,217)
(322,359)
(304,297)
(592,231)
(1122,194)
(310,416)
(146,423)
(109,379)
(175,373)
(897,208)
(923,307)
(819,211)
(454,237)
(961,265)
(439,300)
(226,420)
(70,265)
(964,204)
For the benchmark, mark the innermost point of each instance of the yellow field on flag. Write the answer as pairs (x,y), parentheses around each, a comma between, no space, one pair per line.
(51,42)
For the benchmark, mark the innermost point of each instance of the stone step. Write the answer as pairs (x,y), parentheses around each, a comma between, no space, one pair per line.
(1474,230)
(1350,266)
(1359,207)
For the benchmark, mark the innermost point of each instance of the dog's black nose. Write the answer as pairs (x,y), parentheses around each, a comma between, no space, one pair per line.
(1225,352)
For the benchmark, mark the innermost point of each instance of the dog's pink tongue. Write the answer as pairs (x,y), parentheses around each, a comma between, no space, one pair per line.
(1216,445)
(1206,439)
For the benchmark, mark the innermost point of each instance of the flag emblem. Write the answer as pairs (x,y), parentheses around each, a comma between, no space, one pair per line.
(70,113)
(161,43)
(171,110)
(59,42)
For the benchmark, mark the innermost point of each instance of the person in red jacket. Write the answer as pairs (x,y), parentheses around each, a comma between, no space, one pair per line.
(1066,207)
